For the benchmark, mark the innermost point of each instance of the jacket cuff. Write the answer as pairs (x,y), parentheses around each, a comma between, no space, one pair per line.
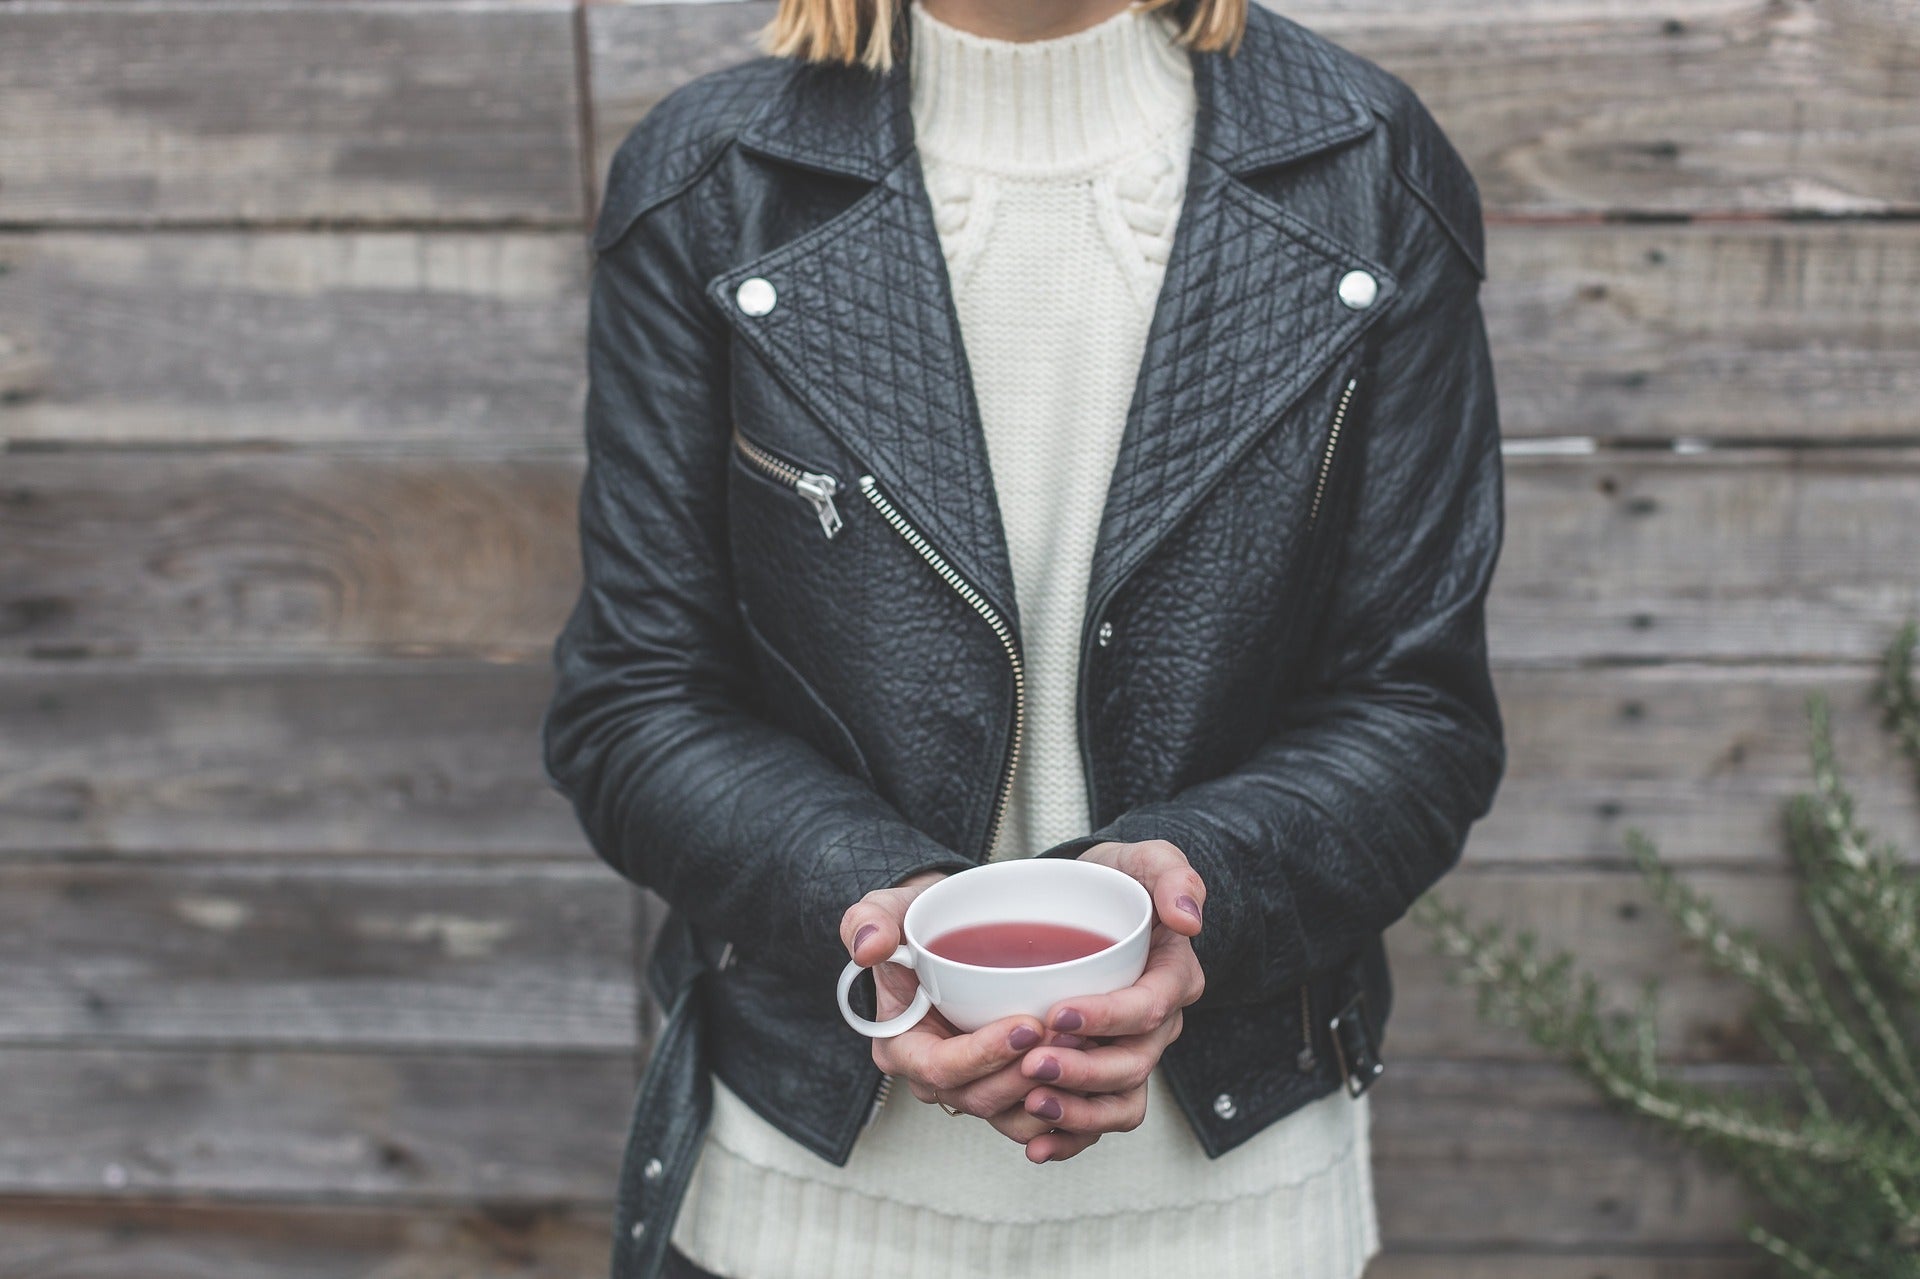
(1073,847)
(951,865)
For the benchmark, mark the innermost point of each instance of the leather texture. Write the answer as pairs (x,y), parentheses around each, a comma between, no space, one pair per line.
(762,723)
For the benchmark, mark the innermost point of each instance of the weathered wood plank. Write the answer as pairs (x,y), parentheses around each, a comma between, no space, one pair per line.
(1699,757)
(1731,554)
(373,338)
(396,954)
(1483,1157)
(56,1238)
(406,954)
(443,758)
(1564,106)
(243,552)
(1693,106)
(413,339)
(1741,330)
(1727,554)
(446,1128)
(392,757)
(211,112)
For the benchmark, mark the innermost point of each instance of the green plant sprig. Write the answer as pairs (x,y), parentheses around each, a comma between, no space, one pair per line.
(1837,1152)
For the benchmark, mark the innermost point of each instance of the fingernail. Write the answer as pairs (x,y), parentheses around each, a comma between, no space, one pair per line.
(1068,1041)
(1023,1037)
(1067,1019)
(1049,1068)
(866,931)
(1048,1109)
(1187,904)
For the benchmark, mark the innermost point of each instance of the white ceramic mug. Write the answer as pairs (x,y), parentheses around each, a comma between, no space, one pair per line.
(1054,890)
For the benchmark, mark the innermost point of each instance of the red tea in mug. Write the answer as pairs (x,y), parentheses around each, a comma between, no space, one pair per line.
(1019,944)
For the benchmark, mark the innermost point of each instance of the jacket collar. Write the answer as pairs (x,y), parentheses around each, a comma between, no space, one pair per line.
(867,335)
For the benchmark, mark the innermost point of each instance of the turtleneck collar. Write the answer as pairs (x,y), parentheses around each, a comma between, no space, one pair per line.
(1050,105)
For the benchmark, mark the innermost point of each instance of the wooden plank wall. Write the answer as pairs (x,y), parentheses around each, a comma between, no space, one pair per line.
(310,974)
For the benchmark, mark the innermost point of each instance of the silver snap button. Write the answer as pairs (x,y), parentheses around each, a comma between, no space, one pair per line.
(1106,633)
(1357,290)
(639,1228)
(652,1170)
(755,296)
(1224,1106)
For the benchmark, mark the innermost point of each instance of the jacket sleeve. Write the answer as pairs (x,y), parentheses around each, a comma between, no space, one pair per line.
(759,838)
(1362,797)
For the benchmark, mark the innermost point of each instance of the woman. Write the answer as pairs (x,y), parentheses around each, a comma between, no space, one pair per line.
(1062,429)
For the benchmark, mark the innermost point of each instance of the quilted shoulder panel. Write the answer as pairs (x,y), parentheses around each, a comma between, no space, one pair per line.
(678,138)
(1425,158)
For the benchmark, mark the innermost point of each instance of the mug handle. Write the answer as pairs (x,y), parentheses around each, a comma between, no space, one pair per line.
(893,1025)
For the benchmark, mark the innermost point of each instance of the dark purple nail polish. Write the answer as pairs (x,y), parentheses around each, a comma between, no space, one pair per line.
(1187,904)
(1048,1068)
(1068,1041)
(866,931)
(1048,1109)
(1067,1019)
(1023,1037)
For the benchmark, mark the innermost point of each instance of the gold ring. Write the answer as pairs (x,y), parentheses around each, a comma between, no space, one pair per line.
(944,1106)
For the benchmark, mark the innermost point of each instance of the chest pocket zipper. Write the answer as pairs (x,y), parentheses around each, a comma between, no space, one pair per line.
(818,488)
(1326,458)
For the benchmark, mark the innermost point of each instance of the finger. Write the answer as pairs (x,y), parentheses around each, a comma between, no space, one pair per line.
(1179,894)
(1107,1068)
(1000,1092)
(1101,1112)
(1171,980)
(1018,1124)
(1056,1145)
(871,927)
(891,1055)
(895,987)
(952,1062)
(898,988)
(993,1093)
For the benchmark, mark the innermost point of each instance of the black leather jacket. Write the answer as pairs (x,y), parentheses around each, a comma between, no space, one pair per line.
(794,672)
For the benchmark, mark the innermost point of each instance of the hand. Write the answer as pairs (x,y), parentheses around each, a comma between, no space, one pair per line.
(1101,1086)
(978,1073)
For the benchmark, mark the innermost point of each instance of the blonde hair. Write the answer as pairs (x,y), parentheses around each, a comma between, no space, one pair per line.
(864,31)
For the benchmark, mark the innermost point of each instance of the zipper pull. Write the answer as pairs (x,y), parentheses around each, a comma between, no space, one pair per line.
(819,489)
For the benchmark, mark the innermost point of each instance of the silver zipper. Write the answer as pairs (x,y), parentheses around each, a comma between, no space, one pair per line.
(1326,458)
(818,488)
(1304,1062)
(980,605)
(993,618)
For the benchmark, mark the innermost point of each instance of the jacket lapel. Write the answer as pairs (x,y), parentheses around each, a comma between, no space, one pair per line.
(866,332)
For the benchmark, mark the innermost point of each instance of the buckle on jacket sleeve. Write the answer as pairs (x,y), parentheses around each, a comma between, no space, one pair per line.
(1353,1047)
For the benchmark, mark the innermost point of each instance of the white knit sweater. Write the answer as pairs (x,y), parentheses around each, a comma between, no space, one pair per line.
(1056,169)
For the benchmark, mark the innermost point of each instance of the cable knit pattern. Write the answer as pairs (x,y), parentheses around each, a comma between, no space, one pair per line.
(1055,169)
